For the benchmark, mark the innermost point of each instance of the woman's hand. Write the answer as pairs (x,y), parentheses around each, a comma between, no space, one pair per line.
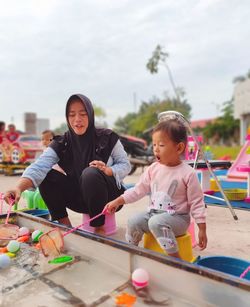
(101,166)
(202,236)
(11,195)
(113,205)
(15,194)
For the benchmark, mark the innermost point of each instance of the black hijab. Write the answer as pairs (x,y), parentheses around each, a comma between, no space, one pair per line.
(77,151)
(83,146)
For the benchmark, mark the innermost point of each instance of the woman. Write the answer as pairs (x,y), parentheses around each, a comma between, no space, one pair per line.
(93,159)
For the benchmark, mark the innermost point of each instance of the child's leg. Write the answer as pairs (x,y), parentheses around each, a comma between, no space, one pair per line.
(166,227)
(136,227)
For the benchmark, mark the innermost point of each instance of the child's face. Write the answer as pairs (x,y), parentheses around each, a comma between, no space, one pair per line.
(166,151)
(11,128)
(46,139)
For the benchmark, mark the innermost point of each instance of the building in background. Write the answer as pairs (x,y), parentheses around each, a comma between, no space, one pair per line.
(30,123)
(198,125)
(34,125)
(41,125)
(241,98)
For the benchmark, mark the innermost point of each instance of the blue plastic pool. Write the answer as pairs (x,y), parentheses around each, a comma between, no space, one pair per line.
(229,265)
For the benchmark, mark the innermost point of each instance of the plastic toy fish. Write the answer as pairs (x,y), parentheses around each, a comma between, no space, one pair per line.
(23,239)
(61,259)
(125,299)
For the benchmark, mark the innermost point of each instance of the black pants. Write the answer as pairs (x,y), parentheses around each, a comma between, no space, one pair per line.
(88,195)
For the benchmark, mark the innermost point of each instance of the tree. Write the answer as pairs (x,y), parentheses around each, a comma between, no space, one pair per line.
(100,115)
(159,57)
(99,112)
(61,129)
(137,123)
(225,127)
(122,124)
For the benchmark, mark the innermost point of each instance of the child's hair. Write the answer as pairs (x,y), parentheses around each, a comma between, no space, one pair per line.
(48,131)
(175,130)
(2,126)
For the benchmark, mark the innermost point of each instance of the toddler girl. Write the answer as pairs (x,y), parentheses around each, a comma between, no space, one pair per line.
(175,192)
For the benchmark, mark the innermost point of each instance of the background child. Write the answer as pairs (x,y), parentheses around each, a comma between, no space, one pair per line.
(174,190)
(46,139)
(12,134)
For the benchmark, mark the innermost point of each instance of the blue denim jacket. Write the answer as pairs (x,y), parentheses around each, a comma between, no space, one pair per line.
(118,161)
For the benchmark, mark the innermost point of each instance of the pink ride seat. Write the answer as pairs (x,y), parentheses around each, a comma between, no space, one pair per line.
(109,226)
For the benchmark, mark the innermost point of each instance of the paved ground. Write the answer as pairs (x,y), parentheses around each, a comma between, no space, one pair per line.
(225,235)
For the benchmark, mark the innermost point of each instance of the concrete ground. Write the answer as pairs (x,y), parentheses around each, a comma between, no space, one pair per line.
(225,235)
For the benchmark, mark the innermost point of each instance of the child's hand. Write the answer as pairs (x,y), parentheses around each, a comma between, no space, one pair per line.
(113,205)
(202,239)
(202,236)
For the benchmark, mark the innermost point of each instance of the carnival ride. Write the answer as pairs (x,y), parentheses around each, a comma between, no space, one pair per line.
(17,155)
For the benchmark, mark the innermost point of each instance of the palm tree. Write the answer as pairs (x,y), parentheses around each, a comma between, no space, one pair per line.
(160,57)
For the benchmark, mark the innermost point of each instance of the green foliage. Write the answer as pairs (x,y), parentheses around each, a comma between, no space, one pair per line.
(122,124)
(99,112)
(225,127)
(221,151)
(137,123)
(158,56)
(61,129)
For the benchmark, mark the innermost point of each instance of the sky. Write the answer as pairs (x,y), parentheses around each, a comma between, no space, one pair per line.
(51,49)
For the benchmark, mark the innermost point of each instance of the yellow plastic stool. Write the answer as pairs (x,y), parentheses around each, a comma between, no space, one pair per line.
(184,243)
(213,185)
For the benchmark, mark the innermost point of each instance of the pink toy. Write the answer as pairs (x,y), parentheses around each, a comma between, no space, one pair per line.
(192,147)
(245,272)
(9,210)
(242,159)
(109,226)
(140,278)
(23,231)
(245,169)
(8,231)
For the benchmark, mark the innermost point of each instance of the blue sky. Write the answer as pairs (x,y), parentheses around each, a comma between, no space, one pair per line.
(51,49)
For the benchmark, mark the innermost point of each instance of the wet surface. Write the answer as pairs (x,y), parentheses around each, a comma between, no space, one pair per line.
(100,274)
(32,281)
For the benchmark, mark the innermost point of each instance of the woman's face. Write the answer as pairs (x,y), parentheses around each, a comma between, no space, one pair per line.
(78,117)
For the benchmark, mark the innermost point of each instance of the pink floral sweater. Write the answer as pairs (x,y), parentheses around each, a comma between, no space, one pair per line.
(173,189)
